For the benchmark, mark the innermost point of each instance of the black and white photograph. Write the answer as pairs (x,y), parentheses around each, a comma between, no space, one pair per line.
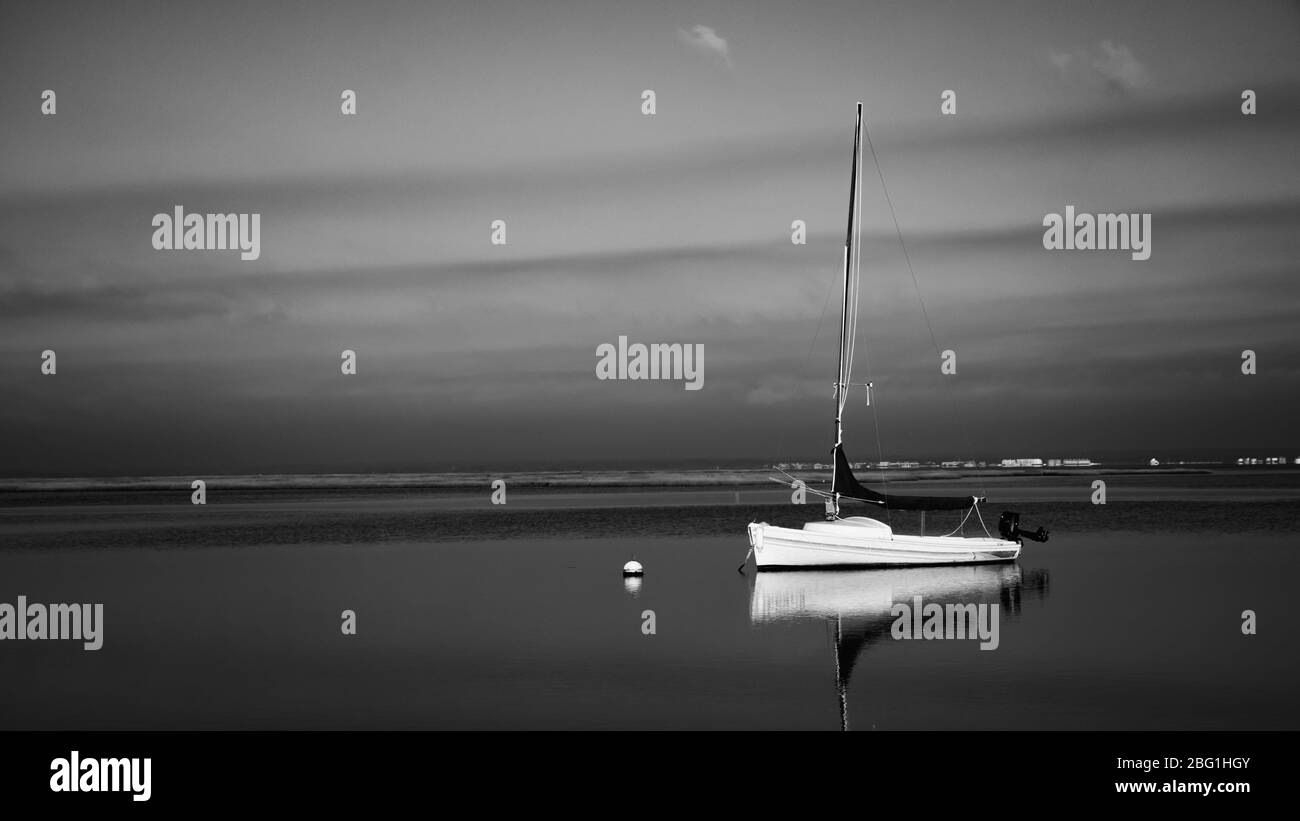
(758,382)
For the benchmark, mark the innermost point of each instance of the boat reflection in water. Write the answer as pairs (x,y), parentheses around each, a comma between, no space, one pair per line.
(856,604)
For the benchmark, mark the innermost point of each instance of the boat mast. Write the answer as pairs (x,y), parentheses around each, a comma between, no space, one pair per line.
(842,379)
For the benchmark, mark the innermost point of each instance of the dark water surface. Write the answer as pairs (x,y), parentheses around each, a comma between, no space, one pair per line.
(228,616)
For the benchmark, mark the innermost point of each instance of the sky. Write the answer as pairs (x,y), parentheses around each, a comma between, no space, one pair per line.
(673,227)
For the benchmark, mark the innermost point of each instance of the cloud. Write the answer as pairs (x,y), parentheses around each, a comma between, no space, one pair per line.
(705,39)
(1118,67)
(1112,63)
(782,389)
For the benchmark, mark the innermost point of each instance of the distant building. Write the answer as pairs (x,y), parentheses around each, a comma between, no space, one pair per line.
(1077,463)
(1022,463)
(951,464)
(1053,463)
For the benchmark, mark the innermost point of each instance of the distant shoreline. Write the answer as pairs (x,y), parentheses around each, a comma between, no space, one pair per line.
(575,479)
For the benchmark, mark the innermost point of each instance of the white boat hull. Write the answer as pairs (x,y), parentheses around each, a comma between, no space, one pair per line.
(863,542)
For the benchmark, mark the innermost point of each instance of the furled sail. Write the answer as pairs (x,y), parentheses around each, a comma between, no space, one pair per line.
(846,485)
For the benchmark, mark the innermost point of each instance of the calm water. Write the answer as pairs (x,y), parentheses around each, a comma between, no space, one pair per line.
(469,616)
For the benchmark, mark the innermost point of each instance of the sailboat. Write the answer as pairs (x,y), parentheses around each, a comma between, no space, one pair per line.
(862,541)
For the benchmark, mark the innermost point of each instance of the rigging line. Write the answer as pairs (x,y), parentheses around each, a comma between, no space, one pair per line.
(826,304)
(856,269)
(880,452)
(880,448)
(924,313)
(963,521)
(794,479)
(981,515)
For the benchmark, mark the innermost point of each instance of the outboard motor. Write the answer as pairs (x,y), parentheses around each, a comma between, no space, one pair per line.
(1009,529)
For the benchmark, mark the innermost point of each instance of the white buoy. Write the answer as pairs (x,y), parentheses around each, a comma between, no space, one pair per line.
(633,568)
